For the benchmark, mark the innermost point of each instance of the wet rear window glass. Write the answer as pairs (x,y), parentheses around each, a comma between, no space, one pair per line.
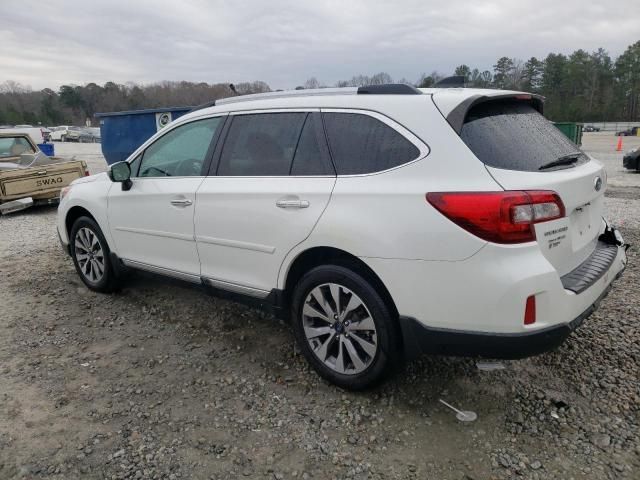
(515,136)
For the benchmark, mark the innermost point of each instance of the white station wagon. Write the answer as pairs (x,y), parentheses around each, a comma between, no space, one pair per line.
(383,221)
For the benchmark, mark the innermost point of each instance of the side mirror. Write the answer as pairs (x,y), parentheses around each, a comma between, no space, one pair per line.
(121,172)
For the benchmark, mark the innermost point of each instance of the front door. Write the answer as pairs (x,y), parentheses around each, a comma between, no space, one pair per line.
(274,180)
(152,223)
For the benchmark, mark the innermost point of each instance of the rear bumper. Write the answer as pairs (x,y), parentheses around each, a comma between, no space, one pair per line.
(420,339)
(476,307)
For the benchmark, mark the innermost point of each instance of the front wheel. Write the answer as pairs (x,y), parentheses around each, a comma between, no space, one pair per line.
(90,254)
(344,328)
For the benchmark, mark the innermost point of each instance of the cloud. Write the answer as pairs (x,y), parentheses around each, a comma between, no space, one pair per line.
(285,42)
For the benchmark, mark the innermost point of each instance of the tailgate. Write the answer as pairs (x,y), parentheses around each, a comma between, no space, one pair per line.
(524,151)
(40,179)
(568,241)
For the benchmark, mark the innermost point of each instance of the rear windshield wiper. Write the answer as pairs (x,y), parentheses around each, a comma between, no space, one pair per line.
(568,159)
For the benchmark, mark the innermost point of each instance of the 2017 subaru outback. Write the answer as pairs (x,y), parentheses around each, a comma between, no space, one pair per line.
(383,221)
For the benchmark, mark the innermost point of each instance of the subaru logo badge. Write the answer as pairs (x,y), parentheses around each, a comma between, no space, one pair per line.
(597,184)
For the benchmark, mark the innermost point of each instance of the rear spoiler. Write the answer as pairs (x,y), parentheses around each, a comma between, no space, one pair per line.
(457,116)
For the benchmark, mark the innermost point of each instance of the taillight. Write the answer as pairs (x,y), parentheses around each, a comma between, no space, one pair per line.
(499,217)
(86,173)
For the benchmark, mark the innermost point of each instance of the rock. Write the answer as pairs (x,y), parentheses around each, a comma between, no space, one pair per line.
(601,440)
(536,465)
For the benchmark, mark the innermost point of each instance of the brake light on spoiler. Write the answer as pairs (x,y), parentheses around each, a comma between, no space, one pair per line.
(501,217)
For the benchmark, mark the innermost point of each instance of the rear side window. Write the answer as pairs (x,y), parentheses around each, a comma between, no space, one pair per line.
(515,136)
(309,157)
(363,144)
(261,144)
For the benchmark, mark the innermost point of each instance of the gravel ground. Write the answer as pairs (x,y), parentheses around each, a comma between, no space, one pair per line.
(165,381)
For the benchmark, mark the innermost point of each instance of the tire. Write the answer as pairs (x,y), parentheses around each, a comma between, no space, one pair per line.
(349,360)
(86,236)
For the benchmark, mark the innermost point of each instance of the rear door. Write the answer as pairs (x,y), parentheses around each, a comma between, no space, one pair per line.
(524,151)
(272,181)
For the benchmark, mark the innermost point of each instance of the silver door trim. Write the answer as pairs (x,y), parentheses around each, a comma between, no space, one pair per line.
(257,247)
(234,287)
(189,277)
(157,233)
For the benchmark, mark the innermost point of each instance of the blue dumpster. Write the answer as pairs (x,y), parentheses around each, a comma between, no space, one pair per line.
(123,132)
(46,148)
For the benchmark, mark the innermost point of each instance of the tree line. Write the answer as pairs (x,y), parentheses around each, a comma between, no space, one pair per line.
(582,86)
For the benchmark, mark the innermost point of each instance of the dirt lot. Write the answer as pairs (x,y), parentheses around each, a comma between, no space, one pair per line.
(163,380)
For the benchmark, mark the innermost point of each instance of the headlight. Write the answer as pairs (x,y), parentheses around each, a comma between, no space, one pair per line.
(64,191)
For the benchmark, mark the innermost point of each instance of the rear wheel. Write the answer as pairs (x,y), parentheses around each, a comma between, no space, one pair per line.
(344,327)
(90,254)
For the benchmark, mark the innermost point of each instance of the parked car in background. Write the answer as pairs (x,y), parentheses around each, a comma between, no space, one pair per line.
(90,135)
(383,221)
(37,134)
(631,159)
(629,132)
(28,176)
(66,133)
(591,128)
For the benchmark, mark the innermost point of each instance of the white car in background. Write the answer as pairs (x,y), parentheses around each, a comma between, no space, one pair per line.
(383,221)
(66,133)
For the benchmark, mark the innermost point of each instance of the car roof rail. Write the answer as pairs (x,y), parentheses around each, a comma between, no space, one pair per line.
(385,89)
(203,105)
(288,94)
(454,81)
(389,89)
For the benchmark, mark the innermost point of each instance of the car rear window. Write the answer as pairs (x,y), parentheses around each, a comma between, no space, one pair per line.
(515,136)
(14,146)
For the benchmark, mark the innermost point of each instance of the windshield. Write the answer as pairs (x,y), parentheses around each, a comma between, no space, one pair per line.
(515,136)
(14,147)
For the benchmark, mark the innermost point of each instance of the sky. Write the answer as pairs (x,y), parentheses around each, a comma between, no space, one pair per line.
(47,44)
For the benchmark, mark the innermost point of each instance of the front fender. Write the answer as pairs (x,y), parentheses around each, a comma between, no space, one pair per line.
(91,196)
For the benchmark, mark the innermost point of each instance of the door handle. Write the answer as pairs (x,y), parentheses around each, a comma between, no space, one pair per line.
(181,202)
(292,204)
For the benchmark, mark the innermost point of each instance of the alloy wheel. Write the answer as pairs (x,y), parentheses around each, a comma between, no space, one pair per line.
(89,254)
(339,329)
